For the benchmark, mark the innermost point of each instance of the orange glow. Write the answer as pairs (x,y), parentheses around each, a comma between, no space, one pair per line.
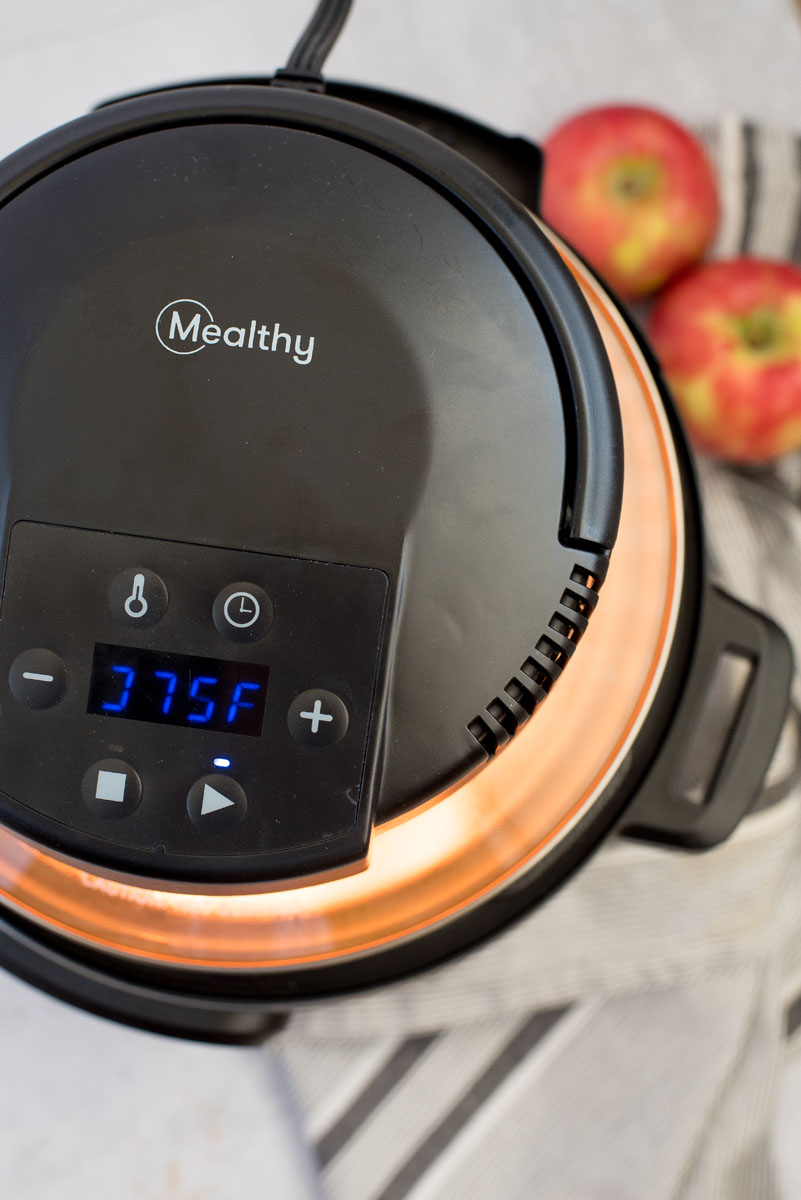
(453,852)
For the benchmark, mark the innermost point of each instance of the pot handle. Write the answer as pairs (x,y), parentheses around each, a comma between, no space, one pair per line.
(707,774)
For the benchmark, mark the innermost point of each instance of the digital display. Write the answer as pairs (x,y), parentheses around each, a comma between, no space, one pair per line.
(178,689)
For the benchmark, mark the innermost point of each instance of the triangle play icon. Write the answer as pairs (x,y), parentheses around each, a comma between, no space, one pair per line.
(213,801)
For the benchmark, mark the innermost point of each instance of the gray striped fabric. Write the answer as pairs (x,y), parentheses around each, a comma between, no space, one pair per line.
(626,1040)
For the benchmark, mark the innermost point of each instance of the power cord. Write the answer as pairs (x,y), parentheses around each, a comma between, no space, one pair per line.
(306,61)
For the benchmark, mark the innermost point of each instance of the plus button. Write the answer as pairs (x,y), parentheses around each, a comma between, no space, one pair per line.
(316,716)
(317,719)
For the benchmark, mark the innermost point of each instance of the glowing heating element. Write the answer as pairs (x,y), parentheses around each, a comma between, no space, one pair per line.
(462,847)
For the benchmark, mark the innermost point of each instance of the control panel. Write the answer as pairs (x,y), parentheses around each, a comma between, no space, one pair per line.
(183,710)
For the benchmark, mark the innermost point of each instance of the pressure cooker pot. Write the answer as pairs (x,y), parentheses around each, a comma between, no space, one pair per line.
(353,588)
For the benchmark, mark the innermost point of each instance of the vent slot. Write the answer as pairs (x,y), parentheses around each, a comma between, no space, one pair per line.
(483,735)
(590,577)
(579,599)
(535,672)
(502,717)
(489,732)
(573,602)
(526,698)
(564,627)
(585,578)
(558,654)
(575,621)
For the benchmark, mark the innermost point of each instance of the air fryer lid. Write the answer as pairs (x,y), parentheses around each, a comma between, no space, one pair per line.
(273,359)
(446,872)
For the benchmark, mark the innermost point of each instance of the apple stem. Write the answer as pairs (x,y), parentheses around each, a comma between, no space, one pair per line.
(634,178)
(760,329)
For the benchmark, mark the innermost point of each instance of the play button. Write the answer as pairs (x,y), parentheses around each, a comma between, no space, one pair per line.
(215,801)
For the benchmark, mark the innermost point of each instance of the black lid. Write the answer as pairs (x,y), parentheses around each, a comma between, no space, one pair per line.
(442,409)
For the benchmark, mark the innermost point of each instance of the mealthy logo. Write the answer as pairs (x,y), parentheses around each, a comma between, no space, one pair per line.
(187,327)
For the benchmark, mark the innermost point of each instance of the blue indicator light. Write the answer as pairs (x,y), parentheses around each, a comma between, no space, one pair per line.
(222,762)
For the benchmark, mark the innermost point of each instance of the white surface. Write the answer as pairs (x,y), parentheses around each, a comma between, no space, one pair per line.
(788,1126)
(522,64)
(90,1109)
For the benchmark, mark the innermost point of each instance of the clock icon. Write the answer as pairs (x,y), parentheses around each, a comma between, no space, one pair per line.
(243,612)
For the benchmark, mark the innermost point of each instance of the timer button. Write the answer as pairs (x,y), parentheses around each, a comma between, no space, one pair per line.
(216,802)
(137,597)
(38,678)
(112,788)
(317,719)
(243,612)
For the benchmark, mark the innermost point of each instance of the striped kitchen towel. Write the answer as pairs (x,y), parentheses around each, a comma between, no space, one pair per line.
(626,1040)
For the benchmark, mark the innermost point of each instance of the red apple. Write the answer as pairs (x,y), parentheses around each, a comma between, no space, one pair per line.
(728,336)
(633,192)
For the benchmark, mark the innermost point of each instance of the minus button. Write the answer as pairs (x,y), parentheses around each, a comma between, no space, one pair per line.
(38,678)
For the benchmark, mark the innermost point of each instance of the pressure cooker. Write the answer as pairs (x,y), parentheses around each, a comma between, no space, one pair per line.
(352,573)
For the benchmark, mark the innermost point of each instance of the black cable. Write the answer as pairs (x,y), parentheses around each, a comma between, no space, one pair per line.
(317,39)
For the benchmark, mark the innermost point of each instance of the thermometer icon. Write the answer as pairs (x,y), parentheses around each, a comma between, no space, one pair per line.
(136,605)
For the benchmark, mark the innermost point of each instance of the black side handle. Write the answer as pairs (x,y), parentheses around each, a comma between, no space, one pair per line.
(660,812)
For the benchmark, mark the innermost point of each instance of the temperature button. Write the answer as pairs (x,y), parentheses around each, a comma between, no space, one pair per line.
(138,596)
(243,612)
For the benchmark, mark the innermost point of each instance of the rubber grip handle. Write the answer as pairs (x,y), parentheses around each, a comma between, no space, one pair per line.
(658,812)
